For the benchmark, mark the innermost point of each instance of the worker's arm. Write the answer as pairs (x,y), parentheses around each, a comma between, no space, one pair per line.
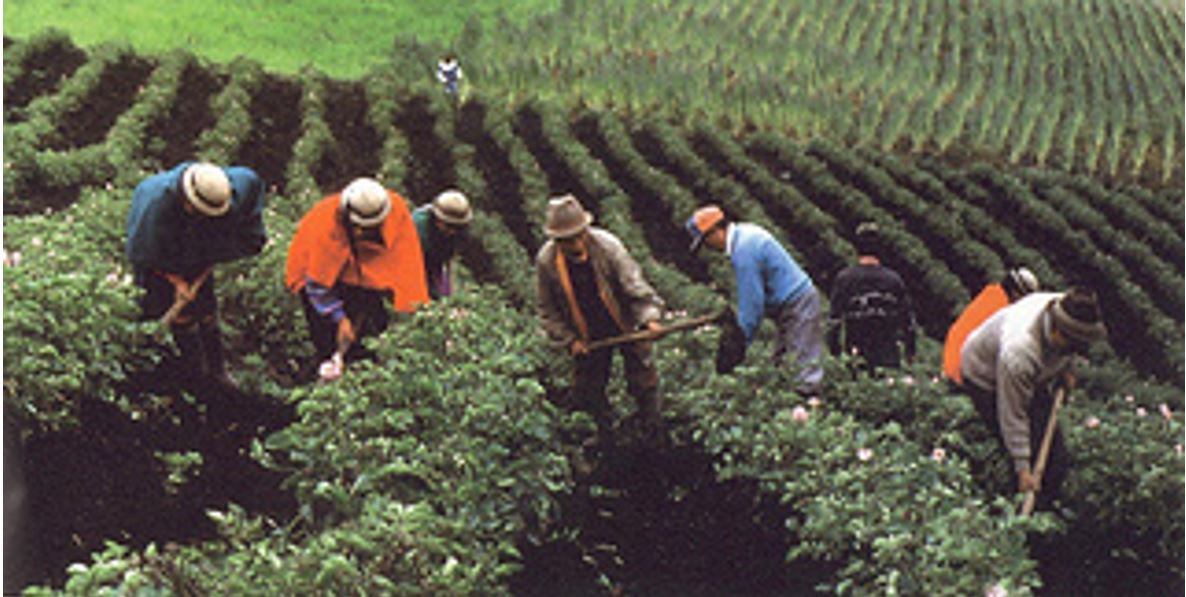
(751,292)
(1015,390)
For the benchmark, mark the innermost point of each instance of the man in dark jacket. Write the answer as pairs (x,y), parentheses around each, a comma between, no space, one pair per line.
(589,289)
(182,222)
(872,315)
(441,227)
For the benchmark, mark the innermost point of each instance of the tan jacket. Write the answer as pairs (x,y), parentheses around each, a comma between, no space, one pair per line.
(619,282)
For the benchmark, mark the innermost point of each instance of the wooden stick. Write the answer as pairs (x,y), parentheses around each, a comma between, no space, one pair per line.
(644,335)
(1031,497)
(179,303)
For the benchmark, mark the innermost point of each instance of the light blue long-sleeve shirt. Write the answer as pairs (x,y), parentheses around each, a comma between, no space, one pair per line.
(767,276)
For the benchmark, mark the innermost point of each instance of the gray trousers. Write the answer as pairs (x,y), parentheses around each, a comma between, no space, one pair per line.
(800,333)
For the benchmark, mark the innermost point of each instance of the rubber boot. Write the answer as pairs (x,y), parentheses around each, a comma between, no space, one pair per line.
(192,365)
(650,414)
(213,357)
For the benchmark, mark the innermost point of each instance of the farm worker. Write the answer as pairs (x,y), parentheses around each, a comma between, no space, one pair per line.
(182,222)
(441,227)
(769,282)
(1017,283)
(589,288)
(871,309)
(353,252)
(449,73)
(1010,363)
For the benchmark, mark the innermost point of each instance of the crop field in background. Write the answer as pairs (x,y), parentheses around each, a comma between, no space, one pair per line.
(1090,86)
(453,465)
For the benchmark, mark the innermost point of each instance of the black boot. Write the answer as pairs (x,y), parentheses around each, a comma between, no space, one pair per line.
(213,357)
(650,415)
(192,365)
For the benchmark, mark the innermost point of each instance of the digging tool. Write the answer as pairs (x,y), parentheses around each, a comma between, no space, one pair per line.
(179,303)
(1027,507)
(645,335)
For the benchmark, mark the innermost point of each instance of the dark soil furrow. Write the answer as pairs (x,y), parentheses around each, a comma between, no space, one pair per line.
(275,116)
(668,243)
(171,139)
(529,127)
(41,73)
(115,92)
(430,163)
(356,147)
(502,180)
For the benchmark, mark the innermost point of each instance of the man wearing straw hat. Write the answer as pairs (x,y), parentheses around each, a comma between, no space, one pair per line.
(1010,363)
(590,288)
(441,226)
(182,222)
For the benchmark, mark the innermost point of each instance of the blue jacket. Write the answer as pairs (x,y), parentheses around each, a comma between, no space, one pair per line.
(162,236)
(767,276)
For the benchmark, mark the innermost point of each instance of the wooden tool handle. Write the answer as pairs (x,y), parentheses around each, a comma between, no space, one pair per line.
(1031,497)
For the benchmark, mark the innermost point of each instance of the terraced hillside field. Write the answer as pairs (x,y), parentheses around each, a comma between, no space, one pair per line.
(82,127)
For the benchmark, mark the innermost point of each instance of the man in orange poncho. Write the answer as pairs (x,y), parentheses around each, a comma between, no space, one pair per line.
(351,252)
(1017,283)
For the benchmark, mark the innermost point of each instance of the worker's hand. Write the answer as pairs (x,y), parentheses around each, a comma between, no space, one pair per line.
(182,290)
(578,348)
(1068,380)
(1026,481)
(346,332)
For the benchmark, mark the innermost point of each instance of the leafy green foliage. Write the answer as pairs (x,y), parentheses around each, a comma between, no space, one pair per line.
(70,314)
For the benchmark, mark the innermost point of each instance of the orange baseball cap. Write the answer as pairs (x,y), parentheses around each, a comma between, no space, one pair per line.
(702,222)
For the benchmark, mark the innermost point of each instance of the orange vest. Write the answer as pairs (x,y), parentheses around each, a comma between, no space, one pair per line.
(321,251)
(989,301)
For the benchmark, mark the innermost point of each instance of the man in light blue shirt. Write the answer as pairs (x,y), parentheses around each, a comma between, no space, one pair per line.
(769,282)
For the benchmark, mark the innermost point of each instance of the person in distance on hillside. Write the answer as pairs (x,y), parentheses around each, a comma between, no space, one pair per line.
(589,288)
(769,282)
(871,310)
(352,252)
(441,227)
(449,73)
(181,223)
(1017,283)
(1010,365)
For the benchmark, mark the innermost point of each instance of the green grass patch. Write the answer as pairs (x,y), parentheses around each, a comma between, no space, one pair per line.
(344,39)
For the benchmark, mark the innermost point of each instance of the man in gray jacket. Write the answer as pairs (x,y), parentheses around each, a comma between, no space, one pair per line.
(1010,363)
(589,289)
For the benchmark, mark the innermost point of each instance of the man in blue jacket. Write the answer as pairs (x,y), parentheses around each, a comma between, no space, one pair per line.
(182,222)
(769,282)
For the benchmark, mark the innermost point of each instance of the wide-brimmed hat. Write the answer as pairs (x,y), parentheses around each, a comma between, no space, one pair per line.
(451,207)
(1019,282)
(566,217)
(366,202)
(1076,315)
(207,189)
(701,223)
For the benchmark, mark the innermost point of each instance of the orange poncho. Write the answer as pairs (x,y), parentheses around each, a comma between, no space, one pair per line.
(989,301)
(321,251)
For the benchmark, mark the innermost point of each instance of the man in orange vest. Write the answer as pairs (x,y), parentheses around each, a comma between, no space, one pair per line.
(1017,283)
(352,252)
(590,288)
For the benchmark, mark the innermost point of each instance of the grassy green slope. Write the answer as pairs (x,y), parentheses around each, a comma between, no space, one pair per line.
(343,39)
